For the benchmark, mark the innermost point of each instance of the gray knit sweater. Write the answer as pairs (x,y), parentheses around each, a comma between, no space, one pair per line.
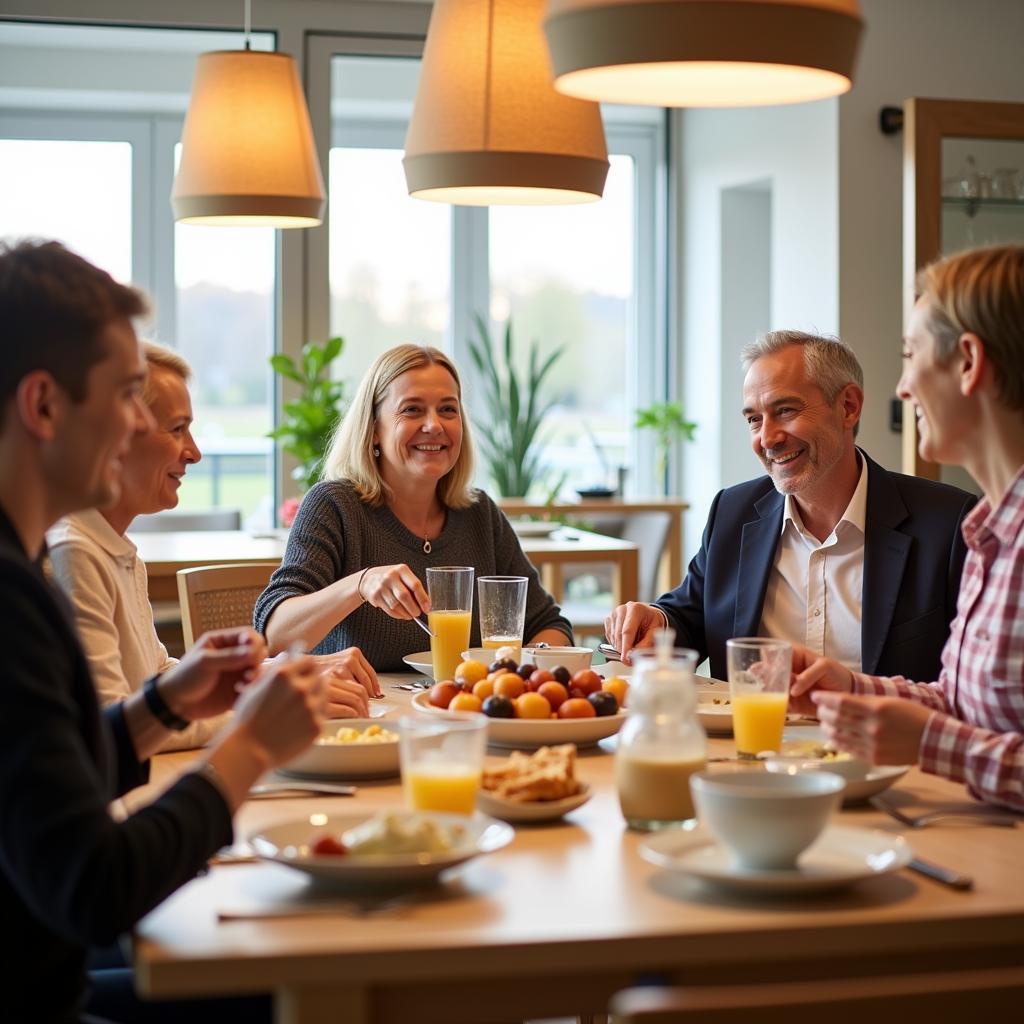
(336,534)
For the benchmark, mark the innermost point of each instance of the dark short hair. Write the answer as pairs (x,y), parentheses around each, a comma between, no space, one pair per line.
(54,309)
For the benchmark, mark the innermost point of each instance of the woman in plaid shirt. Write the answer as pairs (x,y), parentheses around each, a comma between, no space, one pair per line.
(964,373)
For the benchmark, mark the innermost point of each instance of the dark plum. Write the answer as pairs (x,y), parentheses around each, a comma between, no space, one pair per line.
(502,665)
(604,703)
(526,670)
(561,674)
(500,707)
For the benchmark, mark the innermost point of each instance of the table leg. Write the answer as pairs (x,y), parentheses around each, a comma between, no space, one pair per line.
(322,1006)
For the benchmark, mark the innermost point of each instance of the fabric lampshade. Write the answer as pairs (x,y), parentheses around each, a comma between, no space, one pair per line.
(247,153)
(703,53)
(487,126)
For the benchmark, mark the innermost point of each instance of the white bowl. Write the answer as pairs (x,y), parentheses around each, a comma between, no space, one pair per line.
(348,760)
(765,821)
(575,659)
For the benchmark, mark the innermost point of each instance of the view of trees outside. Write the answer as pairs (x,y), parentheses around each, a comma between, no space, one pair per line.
(565,276)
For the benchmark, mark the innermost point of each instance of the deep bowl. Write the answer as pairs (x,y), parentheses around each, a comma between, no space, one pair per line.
(765,821)
(575,659)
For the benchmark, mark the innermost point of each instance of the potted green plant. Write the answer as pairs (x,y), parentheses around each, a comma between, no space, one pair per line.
(669,424)
(509,437)
(308,421)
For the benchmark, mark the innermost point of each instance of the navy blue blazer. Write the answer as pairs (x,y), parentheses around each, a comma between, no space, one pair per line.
(913,556)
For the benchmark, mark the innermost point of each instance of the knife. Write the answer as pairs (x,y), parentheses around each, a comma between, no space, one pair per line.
(946,876)
(296,789)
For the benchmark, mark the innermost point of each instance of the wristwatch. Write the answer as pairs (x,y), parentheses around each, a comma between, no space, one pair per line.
(158,706)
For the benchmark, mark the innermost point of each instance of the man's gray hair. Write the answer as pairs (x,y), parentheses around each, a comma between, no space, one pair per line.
(830,363)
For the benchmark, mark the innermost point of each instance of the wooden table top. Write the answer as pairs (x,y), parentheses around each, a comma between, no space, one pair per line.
(569,913)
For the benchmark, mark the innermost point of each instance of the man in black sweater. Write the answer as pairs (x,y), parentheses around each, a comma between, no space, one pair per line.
(71,876)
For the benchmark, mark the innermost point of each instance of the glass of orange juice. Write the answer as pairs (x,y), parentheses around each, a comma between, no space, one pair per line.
(502,612)
(759,671)
(450,588)
(442,758)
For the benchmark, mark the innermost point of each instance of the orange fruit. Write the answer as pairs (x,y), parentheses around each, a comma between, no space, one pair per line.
(471,672)
(483,689)
(618,686)
(532,705)
(508,684)
(554,693)
(465,702)
(587,680)
(442,694)
(576,707)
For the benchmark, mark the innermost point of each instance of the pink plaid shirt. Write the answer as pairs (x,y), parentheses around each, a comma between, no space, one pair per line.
(976,734)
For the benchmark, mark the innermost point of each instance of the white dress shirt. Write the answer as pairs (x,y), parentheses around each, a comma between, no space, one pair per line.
(104,578)
(814,590)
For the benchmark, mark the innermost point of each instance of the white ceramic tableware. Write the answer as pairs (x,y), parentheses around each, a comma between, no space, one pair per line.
(766,821)
(575,659)
(532,810)
(534,527)
(530,733)
(287,843)
(863,780)
(347,760)
(840,857)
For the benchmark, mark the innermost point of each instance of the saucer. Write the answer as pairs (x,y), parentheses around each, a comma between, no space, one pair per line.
(839,857)
(534,810)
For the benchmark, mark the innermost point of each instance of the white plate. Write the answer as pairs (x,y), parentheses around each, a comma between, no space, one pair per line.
(534,527)
(285,843)
(859,788)
(530,733)
(839,857)
(717,718)
(347,760)
(534,810)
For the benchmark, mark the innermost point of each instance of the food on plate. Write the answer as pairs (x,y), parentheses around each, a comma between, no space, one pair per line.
(816,750)
(546,774)
(470,672)
(540,676)
(561,674)
(577,707)
(399,832)
(618,686)
(483,689)
(532,705)
(327,846)
(499,707)
(503,665)
(508,684)
(442,693)
(554,693)
(604,703)
(371,734)
(526,670)
(465,702)
(587,681)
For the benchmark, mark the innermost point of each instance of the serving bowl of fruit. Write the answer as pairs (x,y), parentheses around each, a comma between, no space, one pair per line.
(531,707)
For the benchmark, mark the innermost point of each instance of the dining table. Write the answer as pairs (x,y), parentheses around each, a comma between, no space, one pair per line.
(567,914)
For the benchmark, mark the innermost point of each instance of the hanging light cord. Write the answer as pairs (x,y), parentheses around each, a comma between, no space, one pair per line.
(488,75)
(248,24)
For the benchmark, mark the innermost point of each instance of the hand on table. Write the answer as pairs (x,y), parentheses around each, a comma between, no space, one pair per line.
(207,680)
(351,664)
(631,626)
(880,730)
(345,697)
(395,589)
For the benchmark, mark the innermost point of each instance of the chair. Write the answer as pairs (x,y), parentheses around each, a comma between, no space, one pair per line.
(220,596)
(947,998)
(188,519)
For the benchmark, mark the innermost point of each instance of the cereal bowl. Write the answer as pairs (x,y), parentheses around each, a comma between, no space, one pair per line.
(348,756)
(764,820)
(575,659)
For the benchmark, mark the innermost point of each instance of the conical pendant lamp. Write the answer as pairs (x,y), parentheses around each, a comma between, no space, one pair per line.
(487,126)
(703,53)
(247,155)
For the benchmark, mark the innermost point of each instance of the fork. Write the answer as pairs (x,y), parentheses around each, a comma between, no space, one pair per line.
(981,815)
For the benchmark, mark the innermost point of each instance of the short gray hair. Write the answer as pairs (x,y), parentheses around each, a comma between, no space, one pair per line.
(830,363)
(160,358)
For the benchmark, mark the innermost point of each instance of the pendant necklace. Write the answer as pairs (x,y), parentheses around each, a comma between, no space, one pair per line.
(426,546)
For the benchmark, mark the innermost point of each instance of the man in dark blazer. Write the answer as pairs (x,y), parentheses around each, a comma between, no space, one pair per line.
(828,550)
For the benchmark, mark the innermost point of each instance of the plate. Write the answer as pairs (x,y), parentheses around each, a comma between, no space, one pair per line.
(284,843)
(530,733)
(717,718)
(347,760)
(859,788)
(534,810)
(534,527)
(839,857)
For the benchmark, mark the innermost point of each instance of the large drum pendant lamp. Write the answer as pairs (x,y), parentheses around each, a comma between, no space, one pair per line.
(703,53)
(247,155)
(487,126)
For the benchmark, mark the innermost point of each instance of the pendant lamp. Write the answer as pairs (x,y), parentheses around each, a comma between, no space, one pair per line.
(703,53)
(487,126)
(247,153)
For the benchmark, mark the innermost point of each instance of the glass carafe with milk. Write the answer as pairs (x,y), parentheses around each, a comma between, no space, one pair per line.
(662,742)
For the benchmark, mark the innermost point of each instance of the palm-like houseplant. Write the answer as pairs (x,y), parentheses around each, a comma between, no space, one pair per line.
(509,437)
(308,422)
(669,424)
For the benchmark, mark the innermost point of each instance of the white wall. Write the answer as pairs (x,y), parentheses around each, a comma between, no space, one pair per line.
(791,151)
(942,49)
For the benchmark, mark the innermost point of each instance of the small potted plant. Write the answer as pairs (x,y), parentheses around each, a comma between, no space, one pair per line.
(308,422)
(669,424)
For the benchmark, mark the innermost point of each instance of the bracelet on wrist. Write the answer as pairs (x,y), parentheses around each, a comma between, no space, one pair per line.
(359,585)
(158,706)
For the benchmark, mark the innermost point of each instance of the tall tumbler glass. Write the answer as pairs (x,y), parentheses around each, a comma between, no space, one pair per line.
(759,671)
(450,588)
(502,612)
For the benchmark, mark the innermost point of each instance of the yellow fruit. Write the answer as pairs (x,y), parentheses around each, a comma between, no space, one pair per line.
(465,702)
(508,684)
(618,686)
(471,672)
(532,705)
(483,689)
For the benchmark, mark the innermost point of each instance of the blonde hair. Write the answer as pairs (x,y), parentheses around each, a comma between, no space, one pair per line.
(350,455)
(981,291)
(160,358)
